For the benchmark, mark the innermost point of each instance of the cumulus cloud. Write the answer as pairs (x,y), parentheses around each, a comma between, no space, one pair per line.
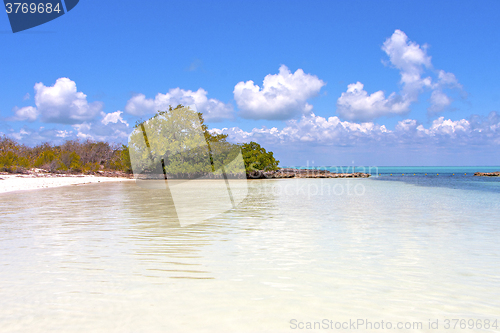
(60,103)
(309,129)
(112,128)
(282,96)
(357,104)
(212,109)
(113,117)
(412,61)
(139,105)
(28,113)
(407,125)
(316,130)
(447,127)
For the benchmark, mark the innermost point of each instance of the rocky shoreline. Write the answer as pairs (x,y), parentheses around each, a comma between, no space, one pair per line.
(488,174)
(303,173)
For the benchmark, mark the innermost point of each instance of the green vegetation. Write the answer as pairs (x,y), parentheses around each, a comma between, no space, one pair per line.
(70,157)
(173,139)
(257,158)
(170,142)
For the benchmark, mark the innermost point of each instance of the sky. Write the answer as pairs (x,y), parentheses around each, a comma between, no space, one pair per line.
(321,83)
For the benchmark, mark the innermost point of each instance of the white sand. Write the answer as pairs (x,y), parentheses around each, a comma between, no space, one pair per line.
(10,183)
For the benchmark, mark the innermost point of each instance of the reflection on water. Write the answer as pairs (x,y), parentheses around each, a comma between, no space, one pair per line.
(113,257)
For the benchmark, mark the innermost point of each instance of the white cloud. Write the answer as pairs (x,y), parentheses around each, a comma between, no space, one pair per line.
(60,103)
(212,109)
(316,130)
(83,130)
(447,127)
(63,133)
(19,136)
(412,62)
(356,104)
(26,97)
(111,128)
(439,101)
(406,125)
(113,117)
(37,136)
(281,97)
(29,113)
(447,80)
(310,129)
(139,105)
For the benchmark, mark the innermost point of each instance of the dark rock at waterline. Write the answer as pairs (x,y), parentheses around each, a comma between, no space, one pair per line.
(258,174)
(303,173)
(488,174)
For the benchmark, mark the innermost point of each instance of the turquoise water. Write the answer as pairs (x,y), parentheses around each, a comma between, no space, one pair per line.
(387,170)
(451,176)
(109,258)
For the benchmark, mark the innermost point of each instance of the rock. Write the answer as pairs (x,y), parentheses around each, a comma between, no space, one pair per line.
(488,174)
(302,173)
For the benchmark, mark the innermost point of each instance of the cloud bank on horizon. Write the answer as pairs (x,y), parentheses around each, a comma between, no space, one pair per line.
(285,96)
(333,131)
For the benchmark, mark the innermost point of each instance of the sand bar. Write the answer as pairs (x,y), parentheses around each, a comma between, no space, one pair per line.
(11,183)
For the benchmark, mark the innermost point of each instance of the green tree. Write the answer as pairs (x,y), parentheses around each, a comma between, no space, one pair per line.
(209,137)
(179,142)
(171,140)
(257,158)
(45,159)
(125,160)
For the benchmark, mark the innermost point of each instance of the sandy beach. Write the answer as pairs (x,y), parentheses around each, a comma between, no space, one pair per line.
(11,183)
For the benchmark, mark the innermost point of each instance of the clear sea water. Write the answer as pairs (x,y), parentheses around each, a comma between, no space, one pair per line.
(109,258)
(448,176)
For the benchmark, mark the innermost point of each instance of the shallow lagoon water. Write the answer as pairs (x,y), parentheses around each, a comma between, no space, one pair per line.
(111,258)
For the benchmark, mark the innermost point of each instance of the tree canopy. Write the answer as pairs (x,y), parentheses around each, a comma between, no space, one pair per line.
(177,143)
(257,158)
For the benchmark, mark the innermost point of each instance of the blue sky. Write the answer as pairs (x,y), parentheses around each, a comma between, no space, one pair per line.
(337,83)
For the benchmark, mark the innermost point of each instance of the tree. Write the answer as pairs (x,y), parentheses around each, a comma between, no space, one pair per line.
(178,142)
(257,158)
